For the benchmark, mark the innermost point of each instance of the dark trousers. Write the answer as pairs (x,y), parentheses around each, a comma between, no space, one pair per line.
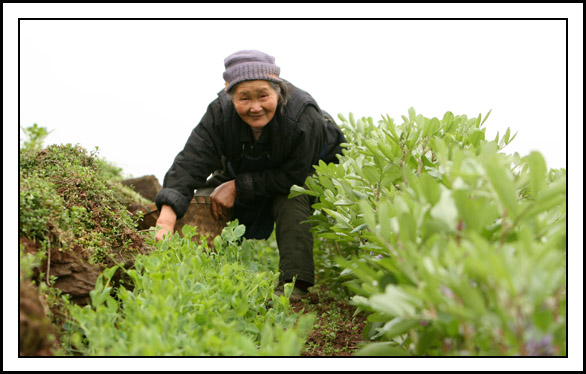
(294,239)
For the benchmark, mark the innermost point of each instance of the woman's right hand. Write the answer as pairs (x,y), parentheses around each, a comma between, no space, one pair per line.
(223,198)
(166,222)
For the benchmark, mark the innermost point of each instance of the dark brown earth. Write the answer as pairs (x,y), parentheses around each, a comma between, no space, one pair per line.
(337,330)
(35,328)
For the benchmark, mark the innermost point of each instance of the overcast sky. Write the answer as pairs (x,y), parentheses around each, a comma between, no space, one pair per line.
(136,89)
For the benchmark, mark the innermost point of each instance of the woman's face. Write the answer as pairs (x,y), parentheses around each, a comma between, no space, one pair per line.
(256,102)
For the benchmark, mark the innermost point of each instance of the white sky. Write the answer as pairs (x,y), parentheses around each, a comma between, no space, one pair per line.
(136,88)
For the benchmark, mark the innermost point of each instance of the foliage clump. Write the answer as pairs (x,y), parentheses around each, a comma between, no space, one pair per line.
(451,245)
(186,299)
(67,202)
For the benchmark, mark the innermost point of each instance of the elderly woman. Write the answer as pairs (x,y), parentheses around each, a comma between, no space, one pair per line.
(260,136)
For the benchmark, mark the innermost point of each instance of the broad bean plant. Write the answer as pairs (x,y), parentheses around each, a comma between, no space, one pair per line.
(451,245)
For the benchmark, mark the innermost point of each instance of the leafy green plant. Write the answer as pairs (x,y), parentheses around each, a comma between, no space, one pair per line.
(186,299)
(35,137)
(65,200)
(67,204)
(454,247)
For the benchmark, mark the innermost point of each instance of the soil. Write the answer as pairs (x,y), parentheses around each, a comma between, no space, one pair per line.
(35,328)
(337,330)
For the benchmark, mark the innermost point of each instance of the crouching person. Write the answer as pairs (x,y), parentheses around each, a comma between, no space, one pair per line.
(259,137)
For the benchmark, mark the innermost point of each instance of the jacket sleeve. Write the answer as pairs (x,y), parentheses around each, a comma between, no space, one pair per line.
(192,166)
(307,140)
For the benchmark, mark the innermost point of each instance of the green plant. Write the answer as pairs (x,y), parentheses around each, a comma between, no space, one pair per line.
(190,300)
(454,247)
(36,136)
(65,200)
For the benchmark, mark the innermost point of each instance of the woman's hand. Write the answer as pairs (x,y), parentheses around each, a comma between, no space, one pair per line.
(166,222)
(223,198)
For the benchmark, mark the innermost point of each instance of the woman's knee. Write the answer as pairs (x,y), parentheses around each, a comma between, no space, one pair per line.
(299,205)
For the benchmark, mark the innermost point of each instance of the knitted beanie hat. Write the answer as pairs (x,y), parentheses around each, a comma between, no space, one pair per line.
(250,65)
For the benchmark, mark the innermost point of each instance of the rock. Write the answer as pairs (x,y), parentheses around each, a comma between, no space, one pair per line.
(75,275)
(148,186)
(199,214)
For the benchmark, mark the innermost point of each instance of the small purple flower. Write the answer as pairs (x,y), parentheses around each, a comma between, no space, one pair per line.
(543,347)
(447,291)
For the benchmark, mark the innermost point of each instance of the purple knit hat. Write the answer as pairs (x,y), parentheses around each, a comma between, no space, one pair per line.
(250,65)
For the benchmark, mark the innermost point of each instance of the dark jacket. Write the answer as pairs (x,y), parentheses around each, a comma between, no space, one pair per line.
(292,142)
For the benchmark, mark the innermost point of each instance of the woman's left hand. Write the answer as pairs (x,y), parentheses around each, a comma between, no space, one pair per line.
(223,198)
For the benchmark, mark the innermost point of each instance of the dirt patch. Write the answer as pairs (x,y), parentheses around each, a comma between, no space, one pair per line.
(337,331)
(35,329)
(74,276)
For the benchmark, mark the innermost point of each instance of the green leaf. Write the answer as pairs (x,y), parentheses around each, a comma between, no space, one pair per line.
(359,228)
(371,173)
(372,146)
(448,118)
(384,218)
(504,186)
(412,114)
(369,217)
(438,145)
(392,128)
(543,318)
(341,219)
(298,190)
(397,326)
(434,126)
(344,202)
(537,172)
(475,213)
(430,188)
(445,210)
(426,339)
(109,273)
(506,136)
(326,182)
(485,118)
(382,349)
(552,196)
(407,227)
(394,302)
(476,136)
(387,151)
